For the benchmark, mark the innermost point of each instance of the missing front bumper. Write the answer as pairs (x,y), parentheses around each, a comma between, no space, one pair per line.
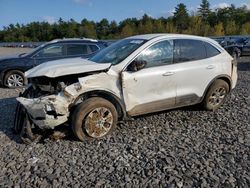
(46,112)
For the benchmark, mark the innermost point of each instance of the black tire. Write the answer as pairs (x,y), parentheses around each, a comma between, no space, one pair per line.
(14,79)
(236,53)
(216,95)
(86,126)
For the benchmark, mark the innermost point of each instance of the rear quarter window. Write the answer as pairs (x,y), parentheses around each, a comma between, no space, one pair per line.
(211,50)
(93,48)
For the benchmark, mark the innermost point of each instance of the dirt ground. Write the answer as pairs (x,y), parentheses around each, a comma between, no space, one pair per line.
(4,51)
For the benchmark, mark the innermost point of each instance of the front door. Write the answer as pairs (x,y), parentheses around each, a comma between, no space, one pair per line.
(49,53)
(151,88)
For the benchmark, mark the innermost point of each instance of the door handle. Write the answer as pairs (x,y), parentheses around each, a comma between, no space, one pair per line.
(210,67)
(168,73)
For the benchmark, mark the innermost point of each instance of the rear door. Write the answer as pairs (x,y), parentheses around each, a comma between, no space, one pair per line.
(197,64)
(81,50)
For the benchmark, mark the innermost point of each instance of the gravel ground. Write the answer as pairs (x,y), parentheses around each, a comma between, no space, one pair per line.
(186,147)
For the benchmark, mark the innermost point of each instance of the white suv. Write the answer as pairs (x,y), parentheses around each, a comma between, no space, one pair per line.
(134,76)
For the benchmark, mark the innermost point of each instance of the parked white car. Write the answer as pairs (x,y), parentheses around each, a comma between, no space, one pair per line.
(137,75)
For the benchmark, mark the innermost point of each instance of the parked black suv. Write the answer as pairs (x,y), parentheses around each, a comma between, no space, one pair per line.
(12,68)
(239,47)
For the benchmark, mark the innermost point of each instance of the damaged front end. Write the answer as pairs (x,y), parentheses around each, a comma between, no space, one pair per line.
(46,112)
(43,105)
(55,88)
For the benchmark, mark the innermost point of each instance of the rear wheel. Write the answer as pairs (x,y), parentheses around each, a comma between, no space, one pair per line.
(94,118)
(216,95)
(14,78)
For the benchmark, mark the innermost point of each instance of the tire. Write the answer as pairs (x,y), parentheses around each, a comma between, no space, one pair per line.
(94,118)
(216,95)
(14,78)
(236,53)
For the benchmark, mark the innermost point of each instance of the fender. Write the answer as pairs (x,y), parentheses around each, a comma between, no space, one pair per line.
(224,77)
(115,100)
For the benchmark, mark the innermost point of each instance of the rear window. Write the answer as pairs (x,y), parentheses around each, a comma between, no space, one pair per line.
(188,50)
(211,50)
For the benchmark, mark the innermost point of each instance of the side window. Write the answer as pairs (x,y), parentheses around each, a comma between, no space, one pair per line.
(93,48)
(211,51)
(188,50)
(157,55)
(77,49)
(55,50)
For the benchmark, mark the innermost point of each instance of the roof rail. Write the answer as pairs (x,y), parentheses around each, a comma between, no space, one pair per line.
(65,39)
(81,38)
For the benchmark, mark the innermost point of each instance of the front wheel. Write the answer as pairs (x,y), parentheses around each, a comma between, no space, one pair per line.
(14,78)
(216,95)
(94,118)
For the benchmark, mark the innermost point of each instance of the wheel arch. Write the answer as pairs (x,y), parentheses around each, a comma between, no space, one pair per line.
(225,78)
(5,72)
(119,105)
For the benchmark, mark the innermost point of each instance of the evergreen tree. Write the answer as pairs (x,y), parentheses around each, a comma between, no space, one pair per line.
(204,10)
(181,18)
(102,29)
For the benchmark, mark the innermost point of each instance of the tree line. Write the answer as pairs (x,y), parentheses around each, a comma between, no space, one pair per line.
(230,20)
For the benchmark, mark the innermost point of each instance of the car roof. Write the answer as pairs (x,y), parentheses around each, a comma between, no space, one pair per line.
(167,35)
(74,40)
(178,36)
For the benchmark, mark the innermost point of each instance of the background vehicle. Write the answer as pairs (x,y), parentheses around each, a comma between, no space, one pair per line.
(134,76)
(239,47)
(12,68)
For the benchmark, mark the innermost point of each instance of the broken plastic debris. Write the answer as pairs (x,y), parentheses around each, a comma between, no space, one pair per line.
(32,160)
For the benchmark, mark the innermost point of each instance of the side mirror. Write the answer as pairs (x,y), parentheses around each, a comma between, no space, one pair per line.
(137,65)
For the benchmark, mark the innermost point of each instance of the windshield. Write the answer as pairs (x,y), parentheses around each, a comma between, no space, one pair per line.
(32,51)
(118,51)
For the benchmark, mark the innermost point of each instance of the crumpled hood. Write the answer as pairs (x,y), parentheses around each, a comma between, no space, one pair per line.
(62,67)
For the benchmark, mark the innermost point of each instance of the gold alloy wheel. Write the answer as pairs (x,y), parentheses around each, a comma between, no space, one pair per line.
(98,122)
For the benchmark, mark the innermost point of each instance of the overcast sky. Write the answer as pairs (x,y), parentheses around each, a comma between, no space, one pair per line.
(25,11)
